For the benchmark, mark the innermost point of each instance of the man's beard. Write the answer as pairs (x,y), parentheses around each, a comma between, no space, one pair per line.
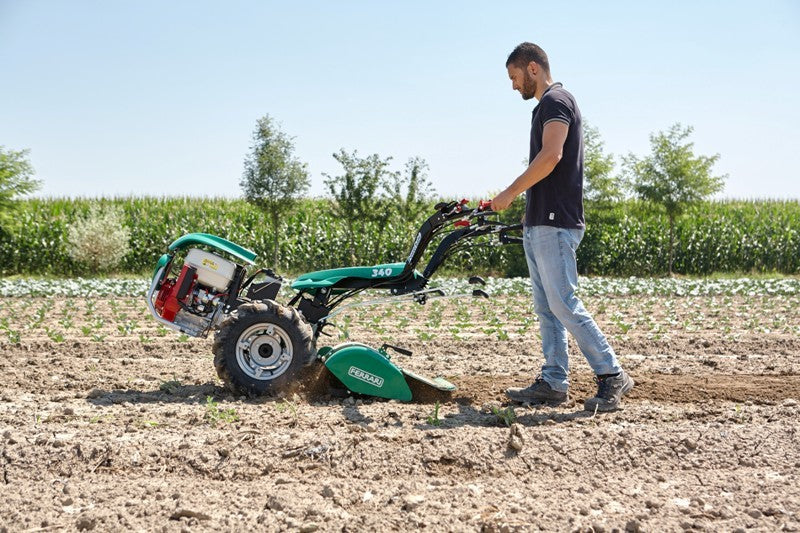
(528,87)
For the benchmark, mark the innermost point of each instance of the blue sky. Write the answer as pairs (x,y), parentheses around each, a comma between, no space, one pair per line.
(160,98)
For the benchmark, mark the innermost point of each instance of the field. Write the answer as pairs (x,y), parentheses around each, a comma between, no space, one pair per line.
(109,422)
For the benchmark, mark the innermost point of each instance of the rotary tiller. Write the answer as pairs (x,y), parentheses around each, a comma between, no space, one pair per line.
(202,284)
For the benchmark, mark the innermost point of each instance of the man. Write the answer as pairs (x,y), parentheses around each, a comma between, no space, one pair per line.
(553,228)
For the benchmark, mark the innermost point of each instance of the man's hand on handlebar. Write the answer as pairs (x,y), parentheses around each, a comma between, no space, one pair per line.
(502,201)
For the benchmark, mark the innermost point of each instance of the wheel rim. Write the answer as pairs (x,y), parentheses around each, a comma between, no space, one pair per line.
(264,351)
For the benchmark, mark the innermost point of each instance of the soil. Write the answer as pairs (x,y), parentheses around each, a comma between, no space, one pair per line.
(124,426)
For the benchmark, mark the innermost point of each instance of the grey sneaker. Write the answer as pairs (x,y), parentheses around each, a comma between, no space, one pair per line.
(610,390)
(539,392)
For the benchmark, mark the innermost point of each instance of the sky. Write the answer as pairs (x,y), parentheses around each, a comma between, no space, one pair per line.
(161,98)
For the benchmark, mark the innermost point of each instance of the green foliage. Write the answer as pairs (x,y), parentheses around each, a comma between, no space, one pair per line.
(672,177)
(170,387)
(359,194)
(16,180)
(369,197)
(505,416)
(273,179)
(601,187)
(720,236)
(214,414)
(410,192)
(100,240)
(433,418)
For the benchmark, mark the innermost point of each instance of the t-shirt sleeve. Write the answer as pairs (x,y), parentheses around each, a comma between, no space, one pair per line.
(556,109)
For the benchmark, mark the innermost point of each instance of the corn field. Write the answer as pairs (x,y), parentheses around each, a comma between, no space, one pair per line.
(628,239)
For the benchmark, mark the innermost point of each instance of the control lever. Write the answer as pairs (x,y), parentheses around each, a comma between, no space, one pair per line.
(401,351)
(476,280)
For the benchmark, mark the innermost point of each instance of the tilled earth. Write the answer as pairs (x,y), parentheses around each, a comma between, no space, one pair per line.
(109,423)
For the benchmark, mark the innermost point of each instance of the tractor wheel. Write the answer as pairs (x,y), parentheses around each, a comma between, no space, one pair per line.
(261,348)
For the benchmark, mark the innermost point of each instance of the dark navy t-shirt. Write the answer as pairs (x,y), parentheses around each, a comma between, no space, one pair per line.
(557,200)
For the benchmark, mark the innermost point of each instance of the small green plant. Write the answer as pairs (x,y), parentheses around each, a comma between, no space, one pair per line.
(507,416)
(433,418)
(170,387)
(287,406)
(424,335)
(144,339)
(183,337)
(97,337)
(54,335)
(14,336)
(127,327)
(214,415)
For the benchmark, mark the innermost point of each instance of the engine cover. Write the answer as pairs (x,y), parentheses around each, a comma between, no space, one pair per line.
(175,292)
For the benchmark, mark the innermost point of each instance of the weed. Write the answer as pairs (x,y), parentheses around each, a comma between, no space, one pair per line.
(507,416)
(287,406)
(183,337)
(170,387)
(433,418)
(214,415)
(14,336)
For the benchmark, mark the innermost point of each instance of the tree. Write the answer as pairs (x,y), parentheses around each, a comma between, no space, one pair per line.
(409,191)
(672,176)
(16,179)
(601,186)
(357,192)
(273,179)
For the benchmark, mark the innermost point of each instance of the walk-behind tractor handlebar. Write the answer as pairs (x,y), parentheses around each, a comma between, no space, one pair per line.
(260,344)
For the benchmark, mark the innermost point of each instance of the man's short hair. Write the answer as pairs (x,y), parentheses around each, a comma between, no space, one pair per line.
(526,52)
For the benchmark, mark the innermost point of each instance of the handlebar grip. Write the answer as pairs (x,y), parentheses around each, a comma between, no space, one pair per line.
(483,205)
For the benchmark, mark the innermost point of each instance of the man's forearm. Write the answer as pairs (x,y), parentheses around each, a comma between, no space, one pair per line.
(541,167)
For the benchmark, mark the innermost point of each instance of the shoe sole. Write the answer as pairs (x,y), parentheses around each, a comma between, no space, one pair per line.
(607,409)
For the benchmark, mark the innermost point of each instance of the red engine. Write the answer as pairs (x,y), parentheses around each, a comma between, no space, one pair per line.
(173,293)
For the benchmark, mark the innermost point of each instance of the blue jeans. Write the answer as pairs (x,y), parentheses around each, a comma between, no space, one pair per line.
(550,253)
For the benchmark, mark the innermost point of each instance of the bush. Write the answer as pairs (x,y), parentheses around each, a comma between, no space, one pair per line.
(100,240)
